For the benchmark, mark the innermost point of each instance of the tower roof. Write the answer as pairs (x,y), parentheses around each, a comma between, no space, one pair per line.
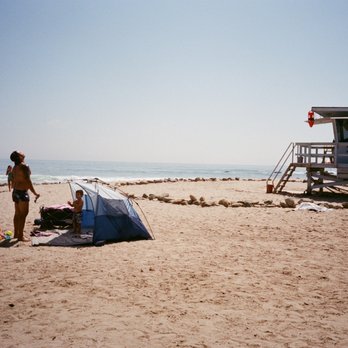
(331,112)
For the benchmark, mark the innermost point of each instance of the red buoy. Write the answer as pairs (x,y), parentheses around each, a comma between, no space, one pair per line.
(310,118)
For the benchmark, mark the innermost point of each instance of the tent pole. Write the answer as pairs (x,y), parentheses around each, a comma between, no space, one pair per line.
(71,190)
(147,221)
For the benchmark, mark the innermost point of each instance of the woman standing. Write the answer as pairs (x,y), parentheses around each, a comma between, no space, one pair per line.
(21,183)
(9,177)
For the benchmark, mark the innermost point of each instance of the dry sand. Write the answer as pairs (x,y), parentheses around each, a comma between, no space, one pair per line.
(214,277)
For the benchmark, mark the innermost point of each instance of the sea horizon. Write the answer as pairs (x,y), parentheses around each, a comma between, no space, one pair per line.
(55,171)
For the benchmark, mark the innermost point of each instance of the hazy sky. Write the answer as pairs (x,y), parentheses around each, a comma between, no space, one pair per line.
(168,81)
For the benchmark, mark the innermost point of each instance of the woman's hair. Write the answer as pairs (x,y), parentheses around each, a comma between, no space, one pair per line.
(15,157)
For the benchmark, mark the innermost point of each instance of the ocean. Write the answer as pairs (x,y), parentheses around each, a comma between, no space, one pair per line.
(51,171)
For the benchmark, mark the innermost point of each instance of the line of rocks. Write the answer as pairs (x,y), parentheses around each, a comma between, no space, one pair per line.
(171,180)
(202,202)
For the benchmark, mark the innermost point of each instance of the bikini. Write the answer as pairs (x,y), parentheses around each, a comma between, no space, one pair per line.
(20,195)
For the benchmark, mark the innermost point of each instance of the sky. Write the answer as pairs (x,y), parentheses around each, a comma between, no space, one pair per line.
(182,81)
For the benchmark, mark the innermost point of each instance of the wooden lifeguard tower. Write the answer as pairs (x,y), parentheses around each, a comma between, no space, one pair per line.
(326,163)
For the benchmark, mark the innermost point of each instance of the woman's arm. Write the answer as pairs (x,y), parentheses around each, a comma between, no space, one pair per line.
(27,173)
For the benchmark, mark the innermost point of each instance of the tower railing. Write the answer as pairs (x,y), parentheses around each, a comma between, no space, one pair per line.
(308,155)
(278,169)
(316,153)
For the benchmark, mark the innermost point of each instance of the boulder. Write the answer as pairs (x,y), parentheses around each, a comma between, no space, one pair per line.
(167,200)
(224,202)
(193,198)
(205,204)
(236,205)
(290,203)
(305,200)
(162,197)
(246,204)
(180,201)
(335,206)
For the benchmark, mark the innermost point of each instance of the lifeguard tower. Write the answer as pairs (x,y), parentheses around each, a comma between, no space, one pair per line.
(326,164)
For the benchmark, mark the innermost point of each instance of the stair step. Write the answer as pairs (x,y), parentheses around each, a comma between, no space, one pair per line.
(285,178)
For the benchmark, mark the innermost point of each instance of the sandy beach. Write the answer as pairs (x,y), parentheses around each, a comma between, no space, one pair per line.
(252,274)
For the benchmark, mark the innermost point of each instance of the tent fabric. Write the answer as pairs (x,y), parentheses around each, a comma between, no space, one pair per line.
(110,214)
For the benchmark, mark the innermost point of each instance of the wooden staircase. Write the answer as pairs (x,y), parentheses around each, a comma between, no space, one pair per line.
(285,178)
(288,156)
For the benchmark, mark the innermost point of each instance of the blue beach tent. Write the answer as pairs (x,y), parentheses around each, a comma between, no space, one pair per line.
(110,213)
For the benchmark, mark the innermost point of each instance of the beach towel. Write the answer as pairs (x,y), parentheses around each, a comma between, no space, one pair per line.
(61,237)
(312,207)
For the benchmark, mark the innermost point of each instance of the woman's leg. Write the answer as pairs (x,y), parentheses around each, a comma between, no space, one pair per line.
(21,212)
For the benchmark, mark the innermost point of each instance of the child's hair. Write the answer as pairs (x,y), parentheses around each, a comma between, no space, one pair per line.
(80,192)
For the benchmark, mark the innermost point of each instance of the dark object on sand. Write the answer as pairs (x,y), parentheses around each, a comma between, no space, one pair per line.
(55,216)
